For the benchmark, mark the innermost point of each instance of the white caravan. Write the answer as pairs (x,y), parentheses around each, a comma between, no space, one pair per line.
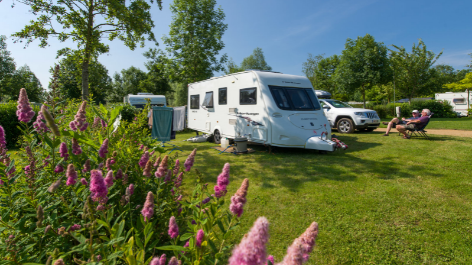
(139,100)
(459,101)
(267,107)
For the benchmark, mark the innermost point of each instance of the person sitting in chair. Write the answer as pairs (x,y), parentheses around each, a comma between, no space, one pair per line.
(395,121)
(414,124)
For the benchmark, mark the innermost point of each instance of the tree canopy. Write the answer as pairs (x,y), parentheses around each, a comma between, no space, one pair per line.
(310,67)
(461,85)
(412,70)
(364,63)
(87,22)
(255,61)
(195,40)
(70,77)
(325,74)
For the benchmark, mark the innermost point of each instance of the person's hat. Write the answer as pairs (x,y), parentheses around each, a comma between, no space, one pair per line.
(415,111)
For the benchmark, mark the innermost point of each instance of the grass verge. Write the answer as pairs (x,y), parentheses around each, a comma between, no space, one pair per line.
(445,123)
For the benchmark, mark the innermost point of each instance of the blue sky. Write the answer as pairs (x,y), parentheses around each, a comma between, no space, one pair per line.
(286,31)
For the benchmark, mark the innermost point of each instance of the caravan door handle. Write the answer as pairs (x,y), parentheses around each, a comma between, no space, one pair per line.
(277,115)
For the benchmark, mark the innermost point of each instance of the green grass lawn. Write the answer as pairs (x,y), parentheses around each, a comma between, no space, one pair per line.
(445,123)
(384,200)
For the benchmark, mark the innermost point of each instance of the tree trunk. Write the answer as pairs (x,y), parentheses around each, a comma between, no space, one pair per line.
(86,62)
(363,95)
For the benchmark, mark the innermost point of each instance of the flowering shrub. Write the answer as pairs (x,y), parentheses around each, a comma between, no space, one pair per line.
(87,189)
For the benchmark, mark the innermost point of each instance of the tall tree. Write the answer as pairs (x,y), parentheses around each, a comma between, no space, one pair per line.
(7,65)
(195,40)
(412,70)
(325,74)
(87,22)
(310,66)
(255,61)
(364,63)
(70,77)
(156,81)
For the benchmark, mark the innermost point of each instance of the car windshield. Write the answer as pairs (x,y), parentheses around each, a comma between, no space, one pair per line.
(290,98)
(338,104)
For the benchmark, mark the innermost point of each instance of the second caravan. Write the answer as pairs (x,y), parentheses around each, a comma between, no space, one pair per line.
(266,107)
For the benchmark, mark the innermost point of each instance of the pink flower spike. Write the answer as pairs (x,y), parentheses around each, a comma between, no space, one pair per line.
(148,209)
(3,142)
(173,228)
(200,236)
(98,187)
(76,150)
(163,259)
(87,166)
(59,169)
(71,175)
(239,199)
(109,178)
(83,181)
(155,261)
(271,258)
(173,261)
(144,159)
(103,149)
(24,111)
(119,174)
(190,160)
(39,125)
(131,189)
(63,151)
(252,249)
(176,167)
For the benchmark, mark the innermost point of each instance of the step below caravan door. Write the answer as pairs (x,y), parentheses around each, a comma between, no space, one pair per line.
(259,134)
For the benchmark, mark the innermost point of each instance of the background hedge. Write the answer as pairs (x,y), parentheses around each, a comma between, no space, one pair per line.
(9,121)
(441,109)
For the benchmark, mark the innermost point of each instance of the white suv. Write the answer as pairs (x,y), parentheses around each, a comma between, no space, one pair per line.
(346,118)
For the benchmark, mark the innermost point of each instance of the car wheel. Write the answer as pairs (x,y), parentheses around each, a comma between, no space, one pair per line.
(345,125)
(217,137)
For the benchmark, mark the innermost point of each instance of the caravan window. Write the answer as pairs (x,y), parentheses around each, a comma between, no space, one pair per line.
(222,96)
(208,101)
(291,98)
(459,101)
(194,101)
(248,96)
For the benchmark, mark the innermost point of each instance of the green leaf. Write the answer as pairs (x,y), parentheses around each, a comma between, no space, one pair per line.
(148,237)
(185,236)
(115,240)
(220,225)
(212,245)
(96,112)
(139,243)
(115,255)
(172,247)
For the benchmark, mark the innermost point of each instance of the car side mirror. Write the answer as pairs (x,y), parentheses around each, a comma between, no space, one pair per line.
(326,107)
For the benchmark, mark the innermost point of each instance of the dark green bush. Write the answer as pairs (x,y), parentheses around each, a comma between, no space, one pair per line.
(441,109)
(9,121)
(128,112)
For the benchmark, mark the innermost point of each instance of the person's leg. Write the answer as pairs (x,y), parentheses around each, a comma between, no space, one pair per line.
(401,129)
(390,125)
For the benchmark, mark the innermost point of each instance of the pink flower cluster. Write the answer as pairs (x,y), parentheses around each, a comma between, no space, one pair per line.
(176,167)
(71,175)
(87,166)
(178,180)
(162,168)
(148,209)
(3,141)
(239,199)
(39,125)
(190,160)
(299,251)
(80,119)
(199,238)
(63,152)
(159,261)
(222,182)
(173,228)
(24,111)
(103,149)
(76,150)
(98,187)
(252,249)
(144,159)
(75,227)
(109,179)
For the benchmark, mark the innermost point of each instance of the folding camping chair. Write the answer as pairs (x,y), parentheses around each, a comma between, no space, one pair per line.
(420,132)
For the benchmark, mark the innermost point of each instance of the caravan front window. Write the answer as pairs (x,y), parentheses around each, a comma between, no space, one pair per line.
(459,101)
(208,101)
(194,101)
(291,98)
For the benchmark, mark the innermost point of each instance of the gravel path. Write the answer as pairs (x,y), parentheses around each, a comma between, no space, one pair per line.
(460,133)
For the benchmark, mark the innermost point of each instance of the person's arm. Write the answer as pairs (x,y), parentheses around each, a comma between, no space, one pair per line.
(413,121)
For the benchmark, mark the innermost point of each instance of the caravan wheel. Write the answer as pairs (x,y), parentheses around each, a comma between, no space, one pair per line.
(216,137)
